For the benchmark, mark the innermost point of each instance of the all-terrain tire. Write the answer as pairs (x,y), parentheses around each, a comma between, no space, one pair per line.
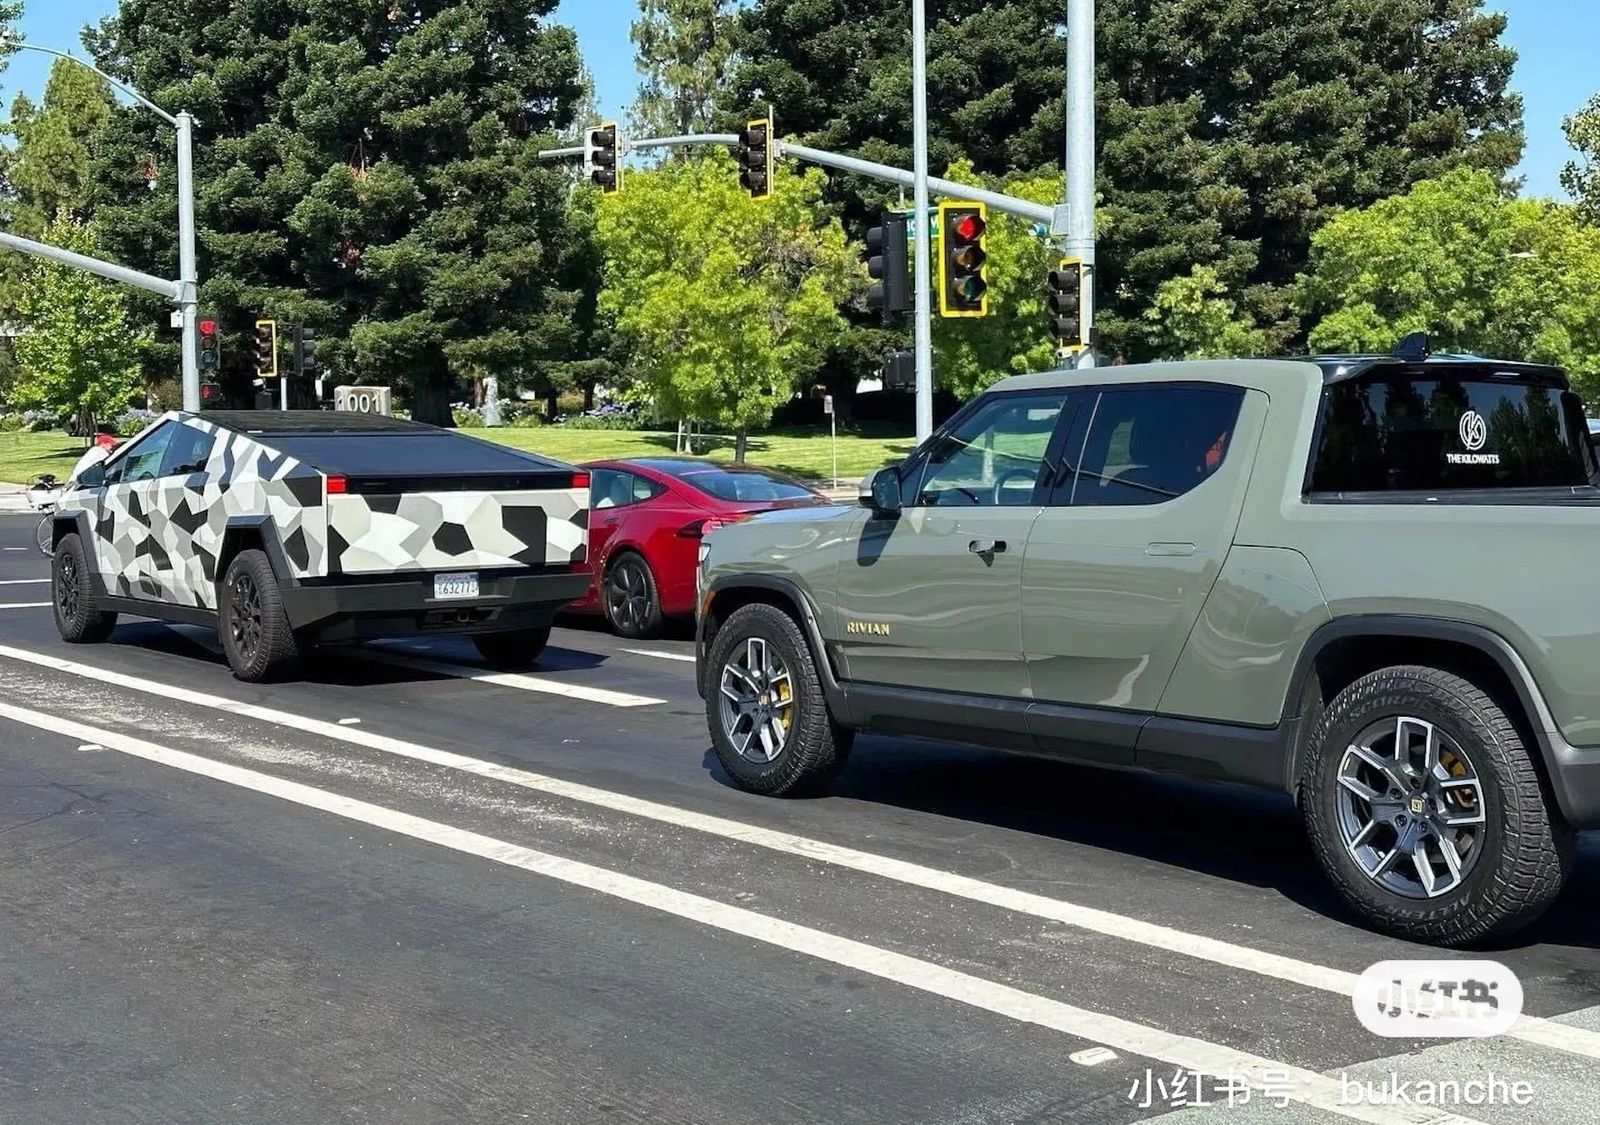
(1527,850)
(256,637)
(510,651)
(78,618)
(815,748)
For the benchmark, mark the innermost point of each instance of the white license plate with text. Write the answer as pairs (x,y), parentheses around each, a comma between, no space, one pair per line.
(456,584)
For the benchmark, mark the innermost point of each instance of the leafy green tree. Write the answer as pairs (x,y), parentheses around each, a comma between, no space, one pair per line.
(369,169)
(683,48)
(729,304)
(1228,131)
(1581,177)
(1195,317)
(46,170)
(76,354)
(1478,271)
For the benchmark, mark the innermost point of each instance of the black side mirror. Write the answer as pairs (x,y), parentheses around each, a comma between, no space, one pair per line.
(880,490)
(92,477)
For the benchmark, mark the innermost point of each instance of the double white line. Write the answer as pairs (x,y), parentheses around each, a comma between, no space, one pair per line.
(1180,1051)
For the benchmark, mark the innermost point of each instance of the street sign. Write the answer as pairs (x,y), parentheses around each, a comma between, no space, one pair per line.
(362,400)
(827,404)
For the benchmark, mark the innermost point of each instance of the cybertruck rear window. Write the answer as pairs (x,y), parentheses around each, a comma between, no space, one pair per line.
(1448,435)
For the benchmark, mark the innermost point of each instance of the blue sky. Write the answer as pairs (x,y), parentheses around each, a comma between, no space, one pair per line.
(1556,39)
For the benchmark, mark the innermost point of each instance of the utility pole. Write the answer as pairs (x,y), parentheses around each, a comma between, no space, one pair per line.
(922,263)
(1079,193)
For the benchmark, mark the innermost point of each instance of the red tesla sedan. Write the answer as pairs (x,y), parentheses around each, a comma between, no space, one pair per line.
(646,520)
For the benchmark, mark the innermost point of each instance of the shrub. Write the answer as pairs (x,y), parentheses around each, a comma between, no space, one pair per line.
(10,423)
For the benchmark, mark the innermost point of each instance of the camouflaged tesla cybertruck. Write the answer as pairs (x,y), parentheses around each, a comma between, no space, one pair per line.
(285,530)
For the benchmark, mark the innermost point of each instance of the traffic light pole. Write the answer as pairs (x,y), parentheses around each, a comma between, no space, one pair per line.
(188,285)
(1079,242)
(922,304)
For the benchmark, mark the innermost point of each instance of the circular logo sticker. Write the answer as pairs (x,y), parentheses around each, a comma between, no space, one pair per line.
(1474,431)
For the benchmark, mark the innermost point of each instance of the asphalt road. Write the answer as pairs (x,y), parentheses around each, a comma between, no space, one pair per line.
(408,891)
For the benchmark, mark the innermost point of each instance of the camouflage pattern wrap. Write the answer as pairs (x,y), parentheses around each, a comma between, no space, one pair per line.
(456,530)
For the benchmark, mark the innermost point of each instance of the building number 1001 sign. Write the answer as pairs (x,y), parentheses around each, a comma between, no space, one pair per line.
(362,400)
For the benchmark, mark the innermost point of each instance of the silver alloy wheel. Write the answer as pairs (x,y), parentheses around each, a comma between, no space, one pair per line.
(757,700)
(1410,807)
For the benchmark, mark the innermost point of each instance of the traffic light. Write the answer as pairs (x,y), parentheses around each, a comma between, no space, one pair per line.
(963,284)
(210,394)
(889,264)
(1066,304)
(601,165)
(755,158)
(210,347)
(305,351)
(266,349)
(899,371)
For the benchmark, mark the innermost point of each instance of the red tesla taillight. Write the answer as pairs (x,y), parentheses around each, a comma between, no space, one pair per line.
(699,529)
(338,486)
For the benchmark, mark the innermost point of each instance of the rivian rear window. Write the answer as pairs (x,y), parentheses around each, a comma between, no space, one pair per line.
(1444,435)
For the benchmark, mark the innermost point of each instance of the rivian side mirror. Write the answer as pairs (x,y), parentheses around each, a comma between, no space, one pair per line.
(92,477)
(880,490)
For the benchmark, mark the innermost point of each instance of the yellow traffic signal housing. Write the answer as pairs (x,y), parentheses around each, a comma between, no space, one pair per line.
(756,157)
(963,277)
(266,349)
(1066,305)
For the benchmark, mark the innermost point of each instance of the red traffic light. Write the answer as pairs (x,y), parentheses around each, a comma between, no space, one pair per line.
(969,228)
(208,328)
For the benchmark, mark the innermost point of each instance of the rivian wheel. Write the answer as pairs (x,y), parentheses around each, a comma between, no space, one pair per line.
(1427,812)
(764,704)
(255,629)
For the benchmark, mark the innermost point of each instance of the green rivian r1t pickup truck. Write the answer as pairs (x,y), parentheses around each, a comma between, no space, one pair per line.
(1366,581)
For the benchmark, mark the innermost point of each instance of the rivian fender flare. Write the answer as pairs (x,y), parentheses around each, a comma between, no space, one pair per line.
(799,605)
(1547,736)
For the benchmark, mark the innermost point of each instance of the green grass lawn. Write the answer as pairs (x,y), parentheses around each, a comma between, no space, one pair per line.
(801,453)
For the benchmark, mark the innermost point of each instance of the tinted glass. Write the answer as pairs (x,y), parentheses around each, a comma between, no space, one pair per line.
(187,452)
(143,459)
(405,452)
(1148,445)
(608,489)
(645,489)
(1397,435)
(994,456)
(745,486)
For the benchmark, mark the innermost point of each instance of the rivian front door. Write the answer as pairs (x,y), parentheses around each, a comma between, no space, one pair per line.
(930,597)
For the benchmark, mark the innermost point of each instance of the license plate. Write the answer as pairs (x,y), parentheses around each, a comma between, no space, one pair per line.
(457,584)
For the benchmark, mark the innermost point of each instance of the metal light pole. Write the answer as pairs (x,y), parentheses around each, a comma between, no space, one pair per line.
(186,291)
(1079,241)
(922,306)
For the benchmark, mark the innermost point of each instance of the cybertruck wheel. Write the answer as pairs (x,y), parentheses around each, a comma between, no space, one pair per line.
(508,652)
(256,637)
(1427,812)
(768,717)
(78,619)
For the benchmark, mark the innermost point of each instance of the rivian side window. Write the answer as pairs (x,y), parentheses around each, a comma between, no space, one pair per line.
(994,456)
(1148,444)
(1404,434)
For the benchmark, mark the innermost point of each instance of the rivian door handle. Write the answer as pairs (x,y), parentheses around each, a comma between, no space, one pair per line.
(987,546)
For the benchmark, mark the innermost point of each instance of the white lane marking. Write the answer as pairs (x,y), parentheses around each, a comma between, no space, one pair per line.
(23,581)
(523,681)
(349,722)
(13,548)
(1276,966)
(659,655)
(913,972)
(25,605)
(1094,1056)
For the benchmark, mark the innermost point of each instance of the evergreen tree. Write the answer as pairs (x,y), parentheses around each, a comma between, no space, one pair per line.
(1228,132)
(365,167)
(683,48)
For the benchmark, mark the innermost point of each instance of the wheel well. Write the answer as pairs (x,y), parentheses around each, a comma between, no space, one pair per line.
(1345,660)
(725,603)
(234,540)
